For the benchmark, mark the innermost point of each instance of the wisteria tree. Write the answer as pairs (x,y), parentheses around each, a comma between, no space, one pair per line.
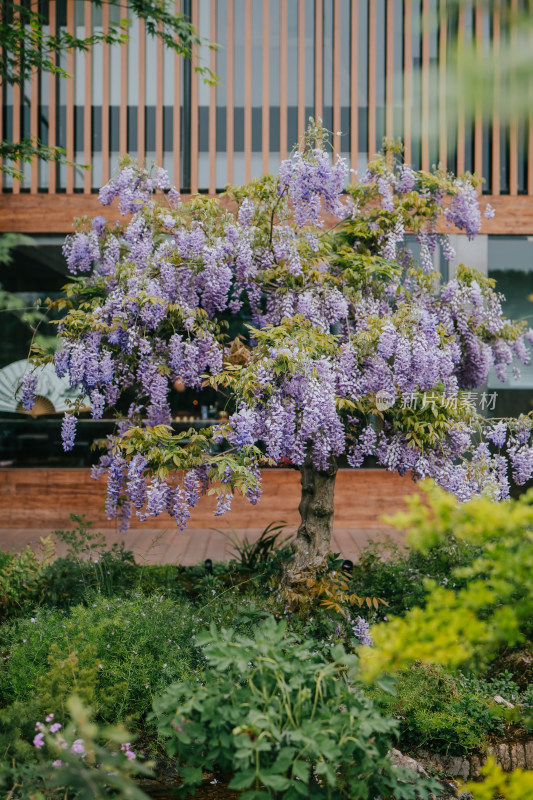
(354,348)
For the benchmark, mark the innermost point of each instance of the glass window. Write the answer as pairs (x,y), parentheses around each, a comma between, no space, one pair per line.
(510,263)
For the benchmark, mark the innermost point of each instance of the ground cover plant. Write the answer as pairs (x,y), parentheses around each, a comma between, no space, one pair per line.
(121,648)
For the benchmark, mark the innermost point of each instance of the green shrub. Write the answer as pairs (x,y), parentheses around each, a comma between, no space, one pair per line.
(398,575)
(82,761)
(282,720)
(441,713)
(21,577)
(116,654)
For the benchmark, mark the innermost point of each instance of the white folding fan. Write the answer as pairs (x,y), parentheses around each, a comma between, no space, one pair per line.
(51,392)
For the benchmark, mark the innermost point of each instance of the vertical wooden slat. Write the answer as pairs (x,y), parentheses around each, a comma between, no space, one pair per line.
(265,119)
(478,121)
(247,90)
(16,131)
(52,104)
(336,75)
(371,80)
(319,65)
(496,128)
(15,134)
(230,91)
(530,132)
(123,113)
(34,118)
(425,86)
(513,127)
(460,111)
(1,110)
(141,89)
(105,97)
(176,112)
(69,185)
(88,105)
(282,79)
(407,78)
(194,106)
(213,101)
(354,93)
(301,69)
(389,72)
(443,137)
(159,104)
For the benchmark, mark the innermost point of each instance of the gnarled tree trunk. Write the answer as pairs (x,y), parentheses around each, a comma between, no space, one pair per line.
(313,540)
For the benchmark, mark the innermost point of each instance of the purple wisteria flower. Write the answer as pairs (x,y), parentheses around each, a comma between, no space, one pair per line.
(68,431)
(29,385)
(341,320)
(361,630)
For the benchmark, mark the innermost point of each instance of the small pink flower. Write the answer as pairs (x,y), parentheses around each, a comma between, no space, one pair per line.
(78,747)
(49,718)
(55,727)
(38,740)
(126,749)
(57,763)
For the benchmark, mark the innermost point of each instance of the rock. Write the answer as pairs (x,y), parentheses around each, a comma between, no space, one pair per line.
(504,757)
(475,767)
(502,701)
(528,748)
(406,762)
(518,756)
(459,768)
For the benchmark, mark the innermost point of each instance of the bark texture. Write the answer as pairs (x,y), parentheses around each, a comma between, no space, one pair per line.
(313,540)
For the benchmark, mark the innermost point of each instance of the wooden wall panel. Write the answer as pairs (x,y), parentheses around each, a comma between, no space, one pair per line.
(45,498)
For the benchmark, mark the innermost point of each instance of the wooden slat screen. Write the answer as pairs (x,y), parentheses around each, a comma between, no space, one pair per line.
(345,61)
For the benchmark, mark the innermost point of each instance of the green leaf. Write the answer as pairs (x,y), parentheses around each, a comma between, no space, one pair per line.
(242,780)
(276,782)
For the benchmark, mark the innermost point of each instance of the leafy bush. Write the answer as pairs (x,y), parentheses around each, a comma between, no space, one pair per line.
(441,713)
(82,761)
(282,720)
(21,577)
(490,610)
(116,655)
(267,549)
(398,574)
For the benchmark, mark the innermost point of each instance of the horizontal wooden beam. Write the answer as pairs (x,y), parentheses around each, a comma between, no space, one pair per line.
(44,213)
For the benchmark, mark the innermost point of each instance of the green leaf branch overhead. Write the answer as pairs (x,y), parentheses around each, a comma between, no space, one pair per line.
(28,47)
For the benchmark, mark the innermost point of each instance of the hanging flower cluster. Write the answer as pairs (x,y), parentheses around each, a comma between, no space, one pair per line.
(355,348)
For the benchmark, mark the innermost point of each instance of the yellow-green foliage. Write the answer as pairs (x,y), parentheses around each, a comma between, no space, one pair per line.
(471,623)
(517,785)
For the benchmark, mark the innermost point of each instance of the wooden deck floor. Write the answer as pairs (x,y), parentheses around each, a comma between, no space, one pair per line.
(33,503)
